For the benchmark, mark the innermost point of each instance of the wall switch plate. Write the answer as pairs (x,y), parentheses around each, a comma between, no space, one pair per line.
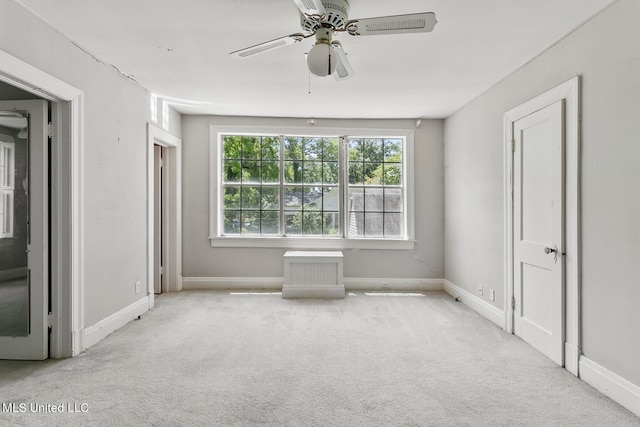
(492,295)
(138,287)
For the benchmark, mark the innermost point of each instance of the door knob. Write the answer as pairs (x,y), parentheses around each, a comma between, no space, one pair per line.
(549,250)
(554,251)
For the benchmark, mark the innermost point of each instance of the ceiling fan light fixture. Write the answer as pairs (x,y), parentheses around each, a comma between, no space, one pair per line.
(322,60)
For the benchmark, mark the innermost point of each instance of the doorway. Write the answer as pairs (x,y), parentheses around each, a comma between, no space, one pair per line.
(159,208)
(65,227)
(164,207)
(542,223)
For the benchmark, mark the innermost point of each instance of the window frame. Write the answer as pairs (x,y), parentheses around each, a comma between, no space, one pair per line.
(7,186)
(216,223)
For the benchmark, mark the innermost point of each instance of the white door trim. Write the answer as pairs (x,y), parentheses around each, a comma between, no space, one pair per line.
(172,187)
(67,226)
(570,93)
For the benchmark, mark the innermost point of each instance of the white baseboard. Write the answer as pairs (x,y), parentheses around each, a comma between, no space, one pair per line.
(13,273)
(475,303)
(610,384)
(95,333)
(225,283)
(350,283)
(392,284)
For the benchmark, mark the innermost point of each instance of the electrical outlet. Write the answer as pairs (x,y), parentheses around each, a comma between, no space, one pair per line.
(138,287)
(492,295)
(481,290)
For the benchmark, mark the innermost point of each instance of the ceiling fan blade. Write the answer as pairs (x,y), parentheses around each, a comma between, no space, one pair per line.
(398,24)
(272,44)
(343,69)
(312,9)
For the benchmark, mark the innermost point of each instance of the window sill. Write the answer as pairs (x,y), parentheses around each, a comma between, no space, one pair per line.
(310,243)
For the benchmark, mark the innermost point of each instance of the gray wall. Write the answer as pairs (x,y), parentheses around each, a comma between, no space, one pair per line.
(116,110)
(606,52)
(201,260)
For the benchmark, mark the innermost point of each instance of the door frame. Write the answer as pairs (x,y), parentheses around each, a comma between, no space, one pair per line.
(172,212)
(570,93)
(67,222)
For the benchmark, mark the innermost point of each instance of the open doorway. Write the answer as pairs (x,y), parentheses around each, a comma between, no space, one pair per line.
(164,166)
(63,312)
(159,208)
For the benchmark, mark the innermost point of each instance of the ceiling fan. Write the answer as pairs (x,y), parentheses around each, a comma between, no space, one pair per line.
(324,18)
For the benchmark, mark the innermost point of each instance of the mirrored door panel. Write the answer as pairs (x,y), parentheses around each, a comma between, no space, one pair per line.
(14,224)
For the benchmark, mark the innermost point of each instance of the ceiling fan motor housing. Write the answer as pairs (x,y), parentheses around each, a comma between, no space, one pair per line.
(337,15)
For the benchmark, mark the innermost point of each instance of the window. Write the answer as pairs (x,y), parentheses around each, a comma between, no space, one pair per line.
(376,202)
(297,190)
(7,188)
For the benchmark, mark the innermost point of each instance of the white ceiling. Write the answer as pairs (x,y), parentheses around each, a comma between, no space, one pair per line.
(180,51)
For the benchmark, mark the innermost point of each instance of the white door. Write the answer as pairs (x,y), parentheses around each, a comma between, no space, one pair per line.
(538,230)
(24,254)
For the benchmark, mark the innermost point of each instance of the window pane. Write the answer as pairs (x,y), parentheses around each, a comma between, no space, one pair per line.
(251,148)
(312,198)
(356,176)
(356,224)
(311,223)
(232,147)
(293,172)
(331,224)
(372,173)
(292,148)
(313,149)
(356,199)
(270,172)
(330,149)
(373,224)
(373,200)
(393,200)
(270,222)
(270,148)
(393,150)
(293,223)
(393,225)
(392,174)
(293,198)
(232,197)
(355,150)
(372,150)
(312,172)
(251,171)
(250,222)
(250,197)
(231,222)
(331,173)
(232,171)
(270,198)
(331,199)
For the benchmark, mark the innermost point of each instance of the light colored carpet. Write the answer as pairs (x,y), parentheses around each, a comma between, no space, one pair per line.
(219,359)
